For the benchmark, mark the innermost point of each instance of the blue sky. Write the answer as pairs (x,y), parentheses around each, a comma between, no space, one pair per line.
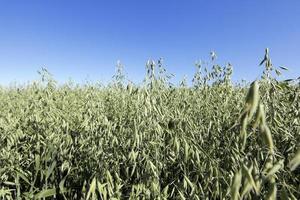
(84,39)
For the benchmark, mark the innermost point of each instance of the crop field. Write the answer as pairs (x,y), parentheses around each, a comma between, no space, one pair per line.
(210,139)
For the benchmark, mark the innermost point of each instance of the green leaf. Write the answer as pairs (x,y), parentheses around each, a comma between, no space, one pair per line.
(284,68)
(46,193)
(92,188)
(50,169)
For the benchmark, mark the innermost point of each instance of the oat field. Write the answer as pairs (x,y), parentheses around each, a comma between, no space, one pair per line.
(210,139)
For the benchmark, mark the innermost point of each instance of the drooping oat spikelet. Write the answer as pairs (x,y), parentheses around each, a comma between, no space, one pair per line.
(235,187)
(295,162)
(252,99)
(267,137)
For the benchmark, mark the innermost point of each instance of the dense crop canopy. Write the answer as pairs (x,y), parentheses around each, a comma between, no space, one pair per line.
(152,141)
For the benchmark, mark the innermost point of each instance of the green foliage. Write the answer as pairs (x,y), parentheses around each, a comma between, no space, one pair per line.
(153,141)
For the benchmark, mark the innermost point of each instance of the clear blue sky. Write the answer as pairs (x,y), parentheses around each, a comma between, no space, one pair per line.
(84,39)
